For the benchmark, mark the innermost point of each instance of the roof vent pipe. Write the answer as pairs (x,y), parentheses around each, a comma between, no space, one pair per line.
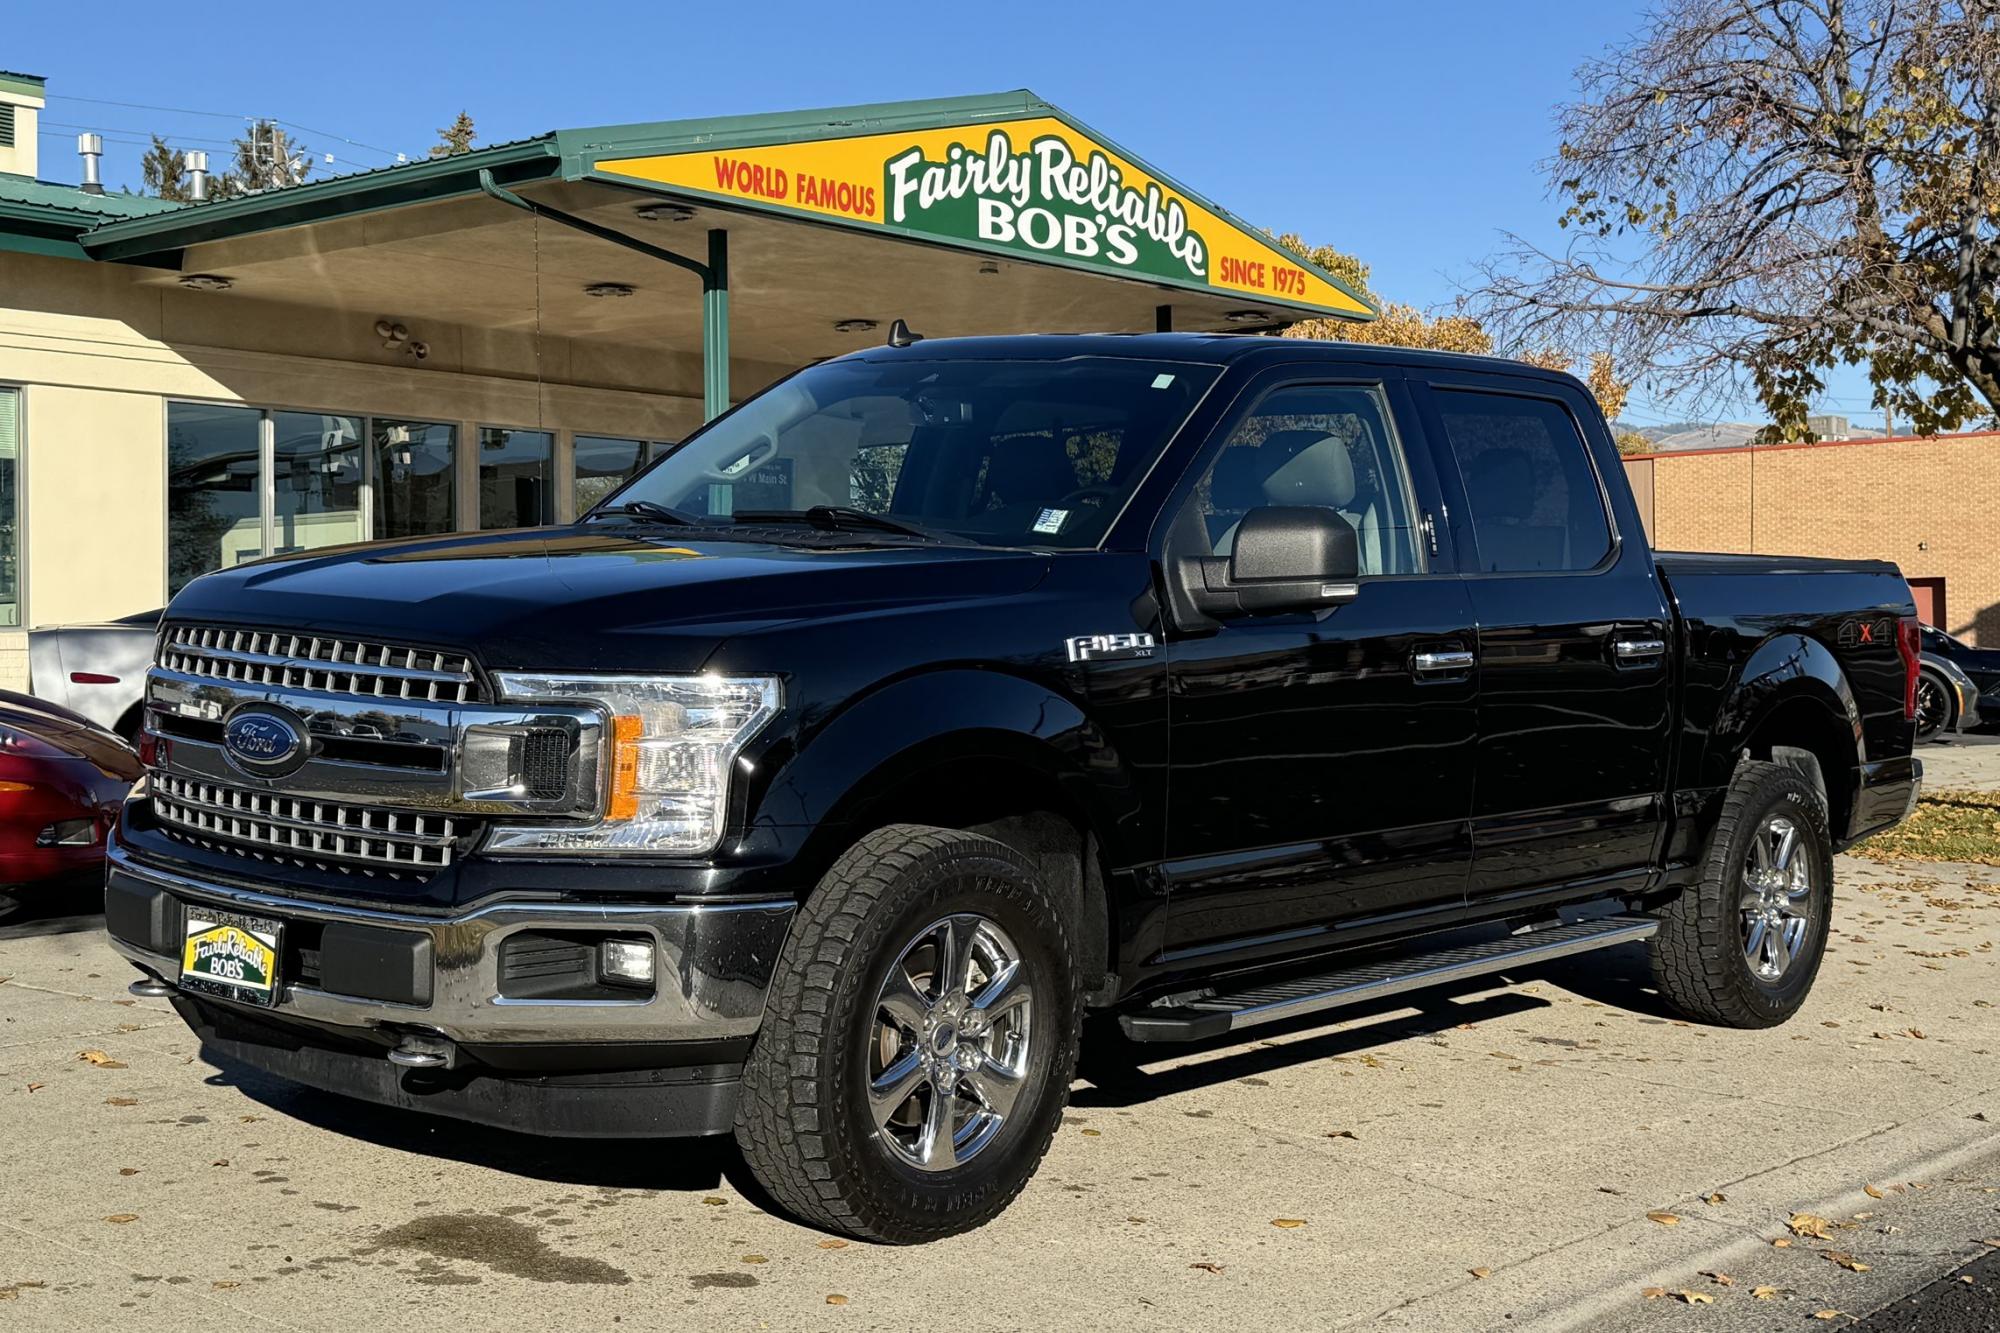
(90,147)
(197,169)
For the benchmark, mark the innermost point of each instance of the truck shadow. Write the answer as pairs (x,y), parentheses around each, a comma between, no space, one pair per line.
(1112,1074)
(637,1164)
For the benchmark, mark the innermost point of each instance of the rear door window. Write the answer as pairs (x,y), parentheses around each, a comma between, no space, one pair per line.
(1534,499)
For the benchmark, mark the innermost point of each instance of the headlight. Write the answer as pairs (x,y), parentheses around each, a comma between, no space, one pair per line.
(670,742)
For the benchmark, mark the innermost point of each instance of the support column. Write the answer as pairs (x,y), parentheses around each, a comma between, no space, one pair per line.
(715,327)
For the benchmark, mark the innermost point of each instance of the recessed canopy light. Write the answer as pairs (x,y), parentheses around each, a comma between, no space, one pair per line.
(855,326)
(206,282)
(664,212)
(1247,317)
(609,289)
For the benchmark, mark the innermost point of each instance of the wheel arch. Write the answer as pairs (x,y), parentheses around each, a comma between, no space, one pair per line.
(980,750)
(1791,703)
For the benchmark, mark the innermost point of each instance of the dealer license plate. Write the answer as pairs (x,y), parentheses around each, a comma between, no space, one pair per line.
(232,956)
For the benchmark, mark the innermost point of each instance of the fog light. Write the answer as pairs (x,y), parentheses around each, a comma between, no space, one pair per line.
(69,833)
(625,962)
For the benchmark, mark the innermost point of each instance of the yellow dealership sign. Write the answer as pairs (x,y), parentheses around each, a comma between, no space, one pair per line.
(1035,186)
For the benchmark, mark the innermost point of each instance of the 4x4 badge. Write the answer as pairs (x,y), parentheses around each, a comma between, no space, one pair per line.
(1097,647)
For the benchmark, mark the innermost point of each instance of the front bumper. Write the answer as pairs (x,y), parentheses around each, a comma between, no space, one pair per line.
(430,989)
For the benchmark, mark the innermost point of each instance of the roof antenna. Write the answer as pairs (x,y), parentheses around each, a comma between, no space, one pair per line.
(900,335)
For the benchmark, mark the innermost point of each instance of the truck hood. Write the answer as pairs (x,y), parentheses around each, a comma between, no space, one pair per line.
(591,598)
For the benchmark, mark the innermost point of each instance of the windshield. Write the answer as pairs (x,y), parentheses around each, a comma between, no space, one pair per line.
(1006,453)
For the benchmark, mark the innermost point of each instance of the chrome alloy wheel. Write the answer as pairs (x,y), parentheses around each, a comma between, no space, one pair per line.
(1777,898)
(951,1043)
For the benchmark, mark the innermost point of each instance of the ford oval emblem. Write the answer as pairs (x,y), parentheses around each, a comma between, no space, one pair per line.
(264,741)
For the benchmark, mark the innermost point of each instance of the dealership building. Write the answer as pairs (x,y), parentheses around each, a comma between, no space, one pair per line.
(499,337)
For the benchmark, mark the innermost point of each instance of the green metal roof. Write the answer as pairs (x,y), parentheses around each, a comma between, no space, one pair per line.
(43,217)
(25,85)
(159,236)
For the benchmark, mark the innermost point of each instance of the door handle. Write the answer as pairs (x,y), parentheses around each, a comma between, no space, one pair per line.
(1639,648)
(1438,662)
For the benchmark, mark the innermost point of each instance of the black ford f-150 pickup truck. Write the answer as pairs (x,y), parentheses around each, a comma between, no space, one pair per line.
(817,785)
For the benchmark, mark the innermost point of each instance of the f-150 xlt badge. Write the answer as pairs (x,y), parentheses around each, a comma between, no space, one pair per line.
(1097,647)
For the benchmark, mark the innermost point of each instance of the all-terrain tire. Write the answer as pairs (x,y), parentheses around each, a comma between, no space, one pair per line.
(802,1121)
(1698,955)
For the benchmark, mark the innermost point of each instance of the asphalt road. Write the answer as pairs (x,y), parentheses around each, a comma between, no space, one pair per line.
(1487,1157)
(1967,1301)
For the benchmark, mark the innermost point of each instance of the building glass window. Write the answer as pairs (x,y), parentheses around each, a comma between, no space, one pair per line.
(214,507)
(416,489)
(317,470)
(10,507)
(606,462)
(516,477)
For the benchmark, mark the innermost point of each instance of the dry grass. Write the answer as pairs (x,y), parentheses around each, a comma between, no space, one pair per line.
(1945,826)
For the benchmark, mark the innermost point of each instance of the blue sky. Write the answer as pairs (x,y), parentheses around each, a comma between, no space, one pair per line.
(1407,134)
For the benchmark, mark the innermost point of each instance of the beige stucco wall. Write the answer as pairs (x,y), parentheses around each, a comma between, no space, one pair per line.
(98,350)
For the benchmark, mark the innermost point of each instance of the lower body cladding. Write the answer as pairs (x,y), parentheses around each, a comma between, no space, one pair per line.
(532,1015)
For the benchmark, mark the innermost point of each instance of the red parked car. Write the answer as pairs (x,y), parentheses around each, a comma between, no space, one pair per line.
(62,779)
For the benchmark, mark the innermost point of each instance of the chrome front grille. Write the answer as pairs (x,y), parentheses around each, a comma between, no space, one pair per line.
(325,835)
(290,660)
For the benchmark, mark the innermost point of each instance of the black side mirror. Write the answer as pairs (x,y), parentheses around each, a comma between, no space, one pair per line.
(1284,558)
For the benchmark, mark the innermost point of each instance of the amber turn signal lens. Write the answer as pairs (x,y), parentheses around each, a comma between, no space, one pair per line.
(625,732)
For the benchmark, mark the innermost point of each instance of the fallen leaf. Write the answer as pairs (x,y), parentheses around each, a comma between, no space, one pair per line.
(1695,1297)
(1481,1273)
(1809,1225)
(224,1284)
(836,1300)
(714,1202)
(1720,1279)
(121,1101)
(128,1170)
(1965,1278)
(220,1161)
(248,1119)
(1782,1243)
(1653,1293)
(1091,1133)
(755,1259)
(36,1087)
(122,1218)
(1288,1222)
(833,1243)
(1341,1134)
(1871,1191)
(1718,1197)
(1764,1293)
(1918,1033)
(1844,1260)
(1826,1314)
(100,1059)
(1207,1267)
(1664,1219)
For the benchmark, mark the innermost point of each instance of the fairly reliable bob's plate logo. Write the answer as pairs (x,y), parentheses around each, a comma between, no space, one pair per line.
(1035,187)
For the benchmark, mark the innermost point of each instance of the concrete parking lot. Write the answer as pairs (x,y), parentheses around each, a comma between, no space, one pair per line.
(1533,1154)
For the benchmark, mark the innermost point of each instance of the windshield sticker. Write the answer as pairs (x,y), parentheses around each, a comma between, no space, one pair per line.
(1162,381)
(1052,521)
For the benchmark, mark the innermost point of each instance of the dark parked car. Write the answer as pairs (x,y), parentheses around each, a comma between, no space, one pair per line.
(817,784)
(62,779)
(1980,665)
(1947,700)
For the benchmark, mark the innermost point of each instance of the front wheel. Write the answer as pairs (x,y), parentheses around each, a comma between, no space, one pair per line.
(1742,947)
(919,1041)
(1937,705)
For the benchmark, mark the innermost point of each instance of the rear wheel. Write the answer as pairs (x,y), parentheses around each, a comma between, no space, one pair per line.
(1742,947)
(1937,705)
(919,1042)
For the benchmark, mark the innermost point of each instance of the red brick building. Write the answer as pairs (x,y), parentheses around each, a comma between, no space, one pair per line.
(1930,504)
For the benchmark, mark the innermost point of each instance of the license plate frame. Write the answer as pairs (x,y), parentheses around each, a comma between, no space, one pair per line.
(253,945)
